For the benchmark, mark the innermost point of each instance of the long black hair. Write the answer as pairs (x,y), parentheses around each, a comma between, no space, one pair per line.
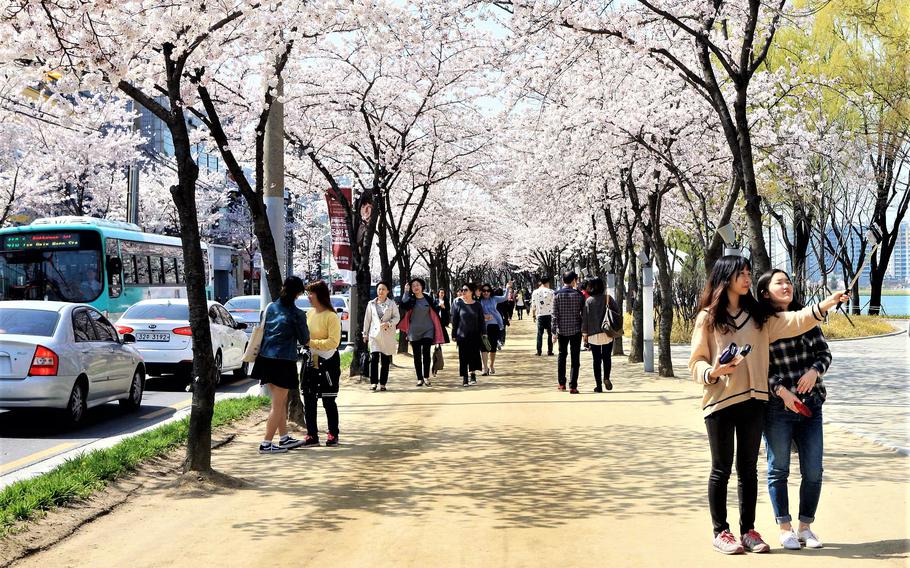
(714,298)
(761,288)
(293,287)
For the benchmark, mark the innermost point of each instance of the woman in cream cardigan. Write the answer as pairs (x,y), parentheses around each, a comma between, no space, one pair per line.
(735,394)
(379,324)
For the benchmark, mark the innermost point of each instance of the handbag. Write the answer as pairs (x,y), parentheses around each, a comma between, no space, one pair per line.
(255,343)
(485,341)
(438,361)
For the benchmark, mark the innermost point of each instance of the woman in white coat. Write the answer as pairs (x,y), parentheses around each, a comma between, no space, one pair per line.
(379,323)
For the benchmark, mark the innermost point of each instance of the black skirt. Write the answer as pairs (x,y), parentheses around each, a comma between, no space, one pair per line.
(493,334)
(279,372)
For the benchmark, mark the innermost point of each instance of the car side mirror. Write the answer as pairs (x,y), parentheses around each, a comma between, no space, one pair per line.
(241,325)
(128,338)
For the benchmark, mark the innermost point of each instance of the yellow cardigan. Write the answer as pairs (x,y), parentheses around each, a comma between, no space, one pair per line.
(750,379)
(325,332)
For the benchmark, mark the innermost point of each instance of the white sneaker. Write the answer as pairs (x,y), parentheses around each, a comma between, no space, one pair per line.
(810,539)
(790,541)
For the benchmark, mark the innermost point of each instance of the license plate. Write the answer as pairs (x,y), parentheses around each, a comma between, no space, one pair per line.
(153,337)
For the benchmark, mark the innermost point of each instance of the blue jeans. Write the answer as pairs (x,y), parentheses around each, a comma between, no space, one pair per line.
(783,427)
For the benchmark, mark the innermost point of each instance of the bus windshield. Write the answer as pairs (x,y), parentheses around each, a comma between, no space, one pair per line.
(53,266)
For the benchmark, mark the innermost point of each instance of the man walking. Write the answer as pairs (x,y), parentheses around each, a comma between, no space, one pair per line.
(542,312)
(568,304)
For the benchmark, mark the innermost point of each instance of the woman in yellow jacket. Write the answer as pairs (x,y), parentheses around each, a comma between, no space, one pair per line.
(322,373)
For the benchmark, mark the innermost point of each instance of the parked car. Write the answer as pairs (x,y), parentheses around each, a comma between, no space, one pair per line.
(342,308)
(245,309)
(66,356)
(164,338)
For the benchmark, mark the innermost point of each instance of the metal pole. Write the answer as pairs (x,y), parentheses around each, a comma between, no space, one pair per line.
(647,279)
(132,196)
(274,184)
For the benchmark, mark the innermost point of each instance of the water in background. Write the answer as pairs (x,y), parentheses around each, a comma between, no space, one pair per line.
(892,305)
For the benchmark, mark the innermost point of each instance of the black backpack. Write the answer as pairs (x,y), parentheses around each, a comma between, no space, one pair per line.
(612,323)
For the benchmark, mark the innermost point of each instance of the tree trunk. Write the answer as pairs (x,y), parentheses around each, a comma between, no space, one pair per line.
(637,347)
(199,442)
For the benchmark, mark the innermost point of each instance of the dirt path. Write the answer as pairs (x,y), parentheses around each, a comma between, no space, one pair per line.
(507,473)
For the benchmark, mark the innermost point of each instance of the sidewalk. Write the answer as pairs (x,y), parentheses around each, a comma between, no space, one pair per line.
(507,473)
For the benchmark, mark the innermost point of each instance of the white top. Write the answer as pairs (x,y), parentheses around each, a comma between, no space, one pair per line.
(600,339)
(542,302)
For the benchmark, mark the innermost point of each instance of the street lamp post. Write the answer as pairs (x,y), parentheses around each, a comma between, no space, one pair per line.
(728,234)
(647,281)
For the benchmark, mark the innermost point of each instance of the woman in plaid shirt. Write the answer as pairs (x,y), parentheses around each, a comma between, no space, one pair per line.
(795,373)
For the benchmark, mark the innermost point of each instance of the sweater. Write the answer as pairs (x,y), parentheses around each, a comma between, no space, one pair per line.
(325,332)
(750,378)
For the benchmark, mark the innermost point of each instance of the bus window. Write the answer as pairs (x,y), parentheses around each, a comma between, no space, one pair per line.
(157,270)
(142,270)
(53,265)
(170,270)
(129,269)
(114,278)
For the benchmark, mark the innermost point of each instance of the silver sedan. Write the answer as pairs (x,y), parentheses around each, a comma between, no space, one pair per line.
(65,356)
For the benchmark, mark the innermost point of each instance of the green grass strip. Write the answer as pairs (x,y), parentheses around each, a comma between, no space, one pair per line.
(79,477)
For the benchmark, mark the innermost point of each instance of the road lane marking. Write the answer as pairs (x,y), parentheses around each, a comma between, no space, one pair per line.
(37,456)
(162,411)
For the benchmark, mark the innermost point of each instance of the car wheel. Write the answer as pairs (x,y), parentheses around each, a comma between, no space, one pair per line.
(76,407)
(218,368)
(244,370)
(136,390)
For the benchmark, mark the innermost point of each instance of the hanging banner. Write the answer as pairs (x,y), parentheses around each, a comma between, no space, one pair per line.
(341,241)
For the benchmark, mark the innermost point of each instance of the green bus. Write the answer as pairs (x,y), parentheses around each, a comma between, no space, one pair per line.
(110,265)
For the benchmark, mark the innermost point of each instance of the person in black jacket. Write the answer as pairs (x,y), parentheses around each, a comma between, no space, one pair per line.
(468,326)
(592,332)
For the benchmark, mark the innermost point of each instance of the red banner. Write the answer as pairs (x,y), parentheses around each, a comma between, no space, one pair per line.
(341,241)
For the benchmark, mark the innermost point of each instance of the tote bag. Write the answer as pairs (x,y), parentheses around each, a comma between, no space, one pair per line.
(255,343)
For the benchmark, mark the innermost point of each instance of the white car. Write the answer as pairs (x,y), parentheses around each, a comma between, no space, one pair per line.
(164,338)
(66,356)
(342,308)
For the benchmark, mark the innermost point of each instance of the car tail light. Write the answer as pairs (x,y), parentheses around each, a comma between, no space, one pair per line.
(45,363)
(121,329)
(345,316)
(183,331)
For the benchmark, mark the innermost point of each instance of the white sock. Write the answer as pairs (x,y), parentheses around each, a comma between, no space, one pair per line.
(266,443)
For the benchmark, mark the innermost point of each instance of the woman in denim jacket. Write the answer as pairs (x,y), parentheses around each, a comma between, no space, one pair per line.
(276,365)
(797,365)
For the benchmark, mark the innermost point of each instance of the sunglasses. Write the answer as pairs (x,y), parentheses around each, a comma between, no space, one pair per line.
(465,289)
(487,291)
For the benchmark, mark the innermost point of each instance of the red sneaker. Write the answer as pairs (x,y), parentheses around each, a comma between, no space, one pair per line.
(573,391)
(561,387)
(331,440)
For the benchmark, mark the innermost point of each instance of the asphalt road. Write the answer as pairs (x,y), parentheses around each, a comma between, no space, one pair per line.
(30,436)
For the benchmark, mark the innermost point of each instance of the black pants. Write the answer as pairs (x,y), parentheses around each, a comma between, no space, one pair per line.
(519,309)
(332,366)
(567,342)
(545,323)
(422,348)
(602,361)
(742,423)
(377,375)
(468,357)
